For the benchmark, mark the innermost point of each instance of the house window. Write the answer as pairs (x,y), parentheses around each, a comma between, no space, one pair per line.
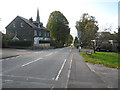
(14,25)
(35,33)
(21,24)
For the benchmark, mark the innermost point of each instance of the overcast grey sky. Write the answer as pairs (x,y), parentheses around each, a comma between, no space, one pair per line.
(105,11)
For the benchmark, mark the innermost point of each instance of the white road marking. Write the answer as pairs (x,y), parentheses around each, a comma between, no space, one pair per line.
(90,67)
(31,62)
(49,54)
(60,70)
(70,68)
(68,76)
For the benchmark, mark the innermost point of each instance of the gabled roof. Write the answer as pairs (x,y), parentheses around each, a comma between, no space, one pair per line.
(31,24)
(28,22)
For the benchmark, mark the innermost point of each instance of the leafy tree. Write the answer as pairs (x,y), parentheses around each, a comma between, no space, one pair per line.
(88,27)
(104,36)
(70,40)
(0,39)
(76,44)
(119,38)
(8,36)
(58,26)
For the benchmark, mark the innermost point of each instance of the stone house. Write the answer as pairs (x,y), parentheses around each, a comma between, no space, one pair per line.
(24,29)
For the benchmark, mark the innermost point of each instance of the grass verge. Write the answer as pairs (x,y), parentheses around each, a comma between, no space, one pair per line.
(106,58)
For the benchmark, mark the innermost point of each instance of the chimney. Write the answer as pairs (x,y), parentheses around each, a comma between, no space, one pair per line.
(31,20)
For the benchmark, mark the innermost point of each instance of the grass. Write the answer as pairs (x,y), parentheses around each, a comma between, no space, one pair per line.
(106,58)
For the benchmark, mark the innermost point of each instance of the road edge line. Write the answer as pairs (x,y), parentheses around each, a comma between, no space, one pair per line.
(90,68)
(69,71)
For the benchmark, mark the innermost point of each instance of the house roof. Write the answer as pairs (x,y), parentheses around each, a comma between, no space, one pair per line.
(25,20)
(28,22)
(31,24)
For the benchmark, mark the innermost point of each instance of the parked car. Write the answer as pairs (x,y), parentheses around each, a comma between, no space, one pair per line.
(105,48)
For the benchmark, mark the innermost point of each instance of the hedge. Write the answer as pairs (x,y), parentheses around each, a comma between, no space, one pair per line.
(20,43)
(55,44)
(43,41)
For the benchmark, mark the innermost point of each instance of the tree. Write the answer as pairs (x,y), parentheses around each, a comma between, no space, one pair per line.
(58,26)
(76,44)
(8,36)
(70,40)
(100,38)
(88,27)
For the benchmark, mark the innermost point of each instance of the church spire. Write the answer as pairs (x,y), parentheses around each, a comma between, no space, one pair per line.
(38,17)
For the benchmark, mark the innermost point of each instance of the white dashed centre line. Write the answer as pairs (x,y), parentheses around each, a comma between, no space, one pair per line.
(69,71)
(60,70)
(31,62)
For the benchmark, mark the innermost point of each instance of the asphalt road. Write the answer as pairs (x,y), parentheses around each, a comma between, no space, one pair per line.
(54,68)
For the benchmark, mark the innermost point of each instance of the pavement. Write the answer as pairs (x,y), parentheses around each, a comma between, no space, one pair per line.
(82,76)
(108,75)
(54,68)
(10,52)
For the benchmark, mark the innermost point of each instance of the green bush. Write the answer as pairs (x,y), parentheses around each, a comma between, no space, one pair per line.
(4,43)
(55,44)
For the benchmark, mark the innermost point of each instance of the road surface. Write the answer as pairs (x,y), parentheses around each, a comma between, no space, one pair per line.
(54,68)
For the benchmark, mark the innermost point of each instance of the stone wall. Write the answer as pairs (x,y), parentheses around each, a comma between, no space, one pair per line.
(43,45)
